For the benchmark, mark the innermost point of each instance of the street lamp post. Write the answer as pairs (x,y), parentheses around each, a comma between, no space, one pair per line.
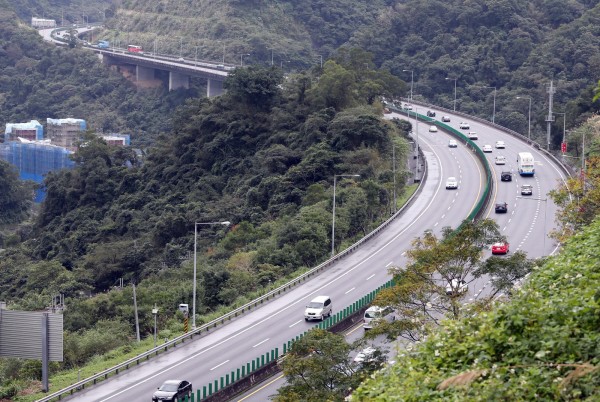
(321,57)
(528,115)
(448,78)
(224,223)
(180,46)
(411,83)
(417,144)
(196,56)
(242,58)
(394,172)
(271,56)
(155,313)
(333,221)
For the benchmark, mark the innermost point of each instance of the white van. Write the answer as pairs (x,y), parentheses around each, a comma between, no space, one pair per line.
(319,308)
(377,313)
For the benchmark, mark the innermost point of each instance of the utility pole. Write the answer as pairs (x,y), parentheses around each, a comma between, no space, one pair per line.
(550,118)
(137,323)
(394,171)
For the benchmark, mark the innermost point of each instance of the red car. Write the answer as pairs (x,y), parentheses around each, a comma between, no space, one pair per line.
(500,248)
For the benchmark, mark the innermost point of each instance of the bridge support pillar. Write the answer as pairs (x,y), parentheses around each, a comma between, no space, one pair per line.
(214,88)
(144,73)
(178,80)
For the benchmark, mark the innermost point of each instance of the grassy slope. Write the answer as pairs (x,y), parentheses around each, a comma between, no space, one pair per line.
(514,352)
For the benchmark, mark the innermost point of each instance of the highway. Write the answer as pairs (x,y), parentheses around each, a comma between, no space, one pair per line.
(232,345)
(527,220)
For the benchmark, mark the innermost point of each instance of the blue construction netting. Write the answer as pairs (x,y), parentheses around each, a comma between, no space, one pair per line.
(34,160)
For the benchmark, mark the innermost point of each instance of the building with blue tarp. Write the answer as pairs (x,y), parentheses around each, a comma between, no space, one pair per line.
(34,159)
(32,131)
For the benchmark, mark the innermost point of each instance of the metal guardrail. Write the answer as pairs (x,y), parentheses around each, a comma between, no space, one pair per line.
(235,313)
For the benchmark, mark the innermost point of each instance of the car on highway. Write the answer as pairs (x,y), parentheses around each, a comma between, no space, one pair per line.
(473,135)
(451,183)
(500,145)
(318,308)
(407,107)
(446,119)
(173,390)
(500,247)
(463,125)
(375,313)
(526,189)
(501,208)
(506,176)
(367,355)
(487,148)
(500,160)
(456,287)
(430,113)
(452,144)
(433,129)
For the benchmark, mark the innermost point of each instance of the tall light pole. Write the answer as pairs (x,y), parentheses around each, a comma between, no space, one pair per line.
(196,56)
(394,172)
(333,221)
(321,57)
(417,144)
(448,78)
(528,115)
(271,49)
(242,58)
(411,83)
(180,46)
(224,223)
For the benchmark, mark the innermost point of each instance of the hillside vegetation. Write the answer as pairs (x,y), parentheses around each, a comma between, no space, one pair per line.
(514,46)
(541,345)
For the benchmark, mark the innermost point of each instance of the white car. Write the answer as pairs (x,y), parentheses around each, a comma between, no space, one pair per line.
(464,125)
(451,183)
(445,119)
(408,107)
(500,145)
(500,160)
(456,287)
(375,313)
(452,144)
(473,135)
(433,129)
(318,309)
(487,148)
(365,355)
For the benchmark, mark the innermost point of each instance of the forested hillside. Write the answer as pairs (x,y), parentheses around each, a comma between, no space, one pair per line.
(514,46)
(40,80)
(262,156)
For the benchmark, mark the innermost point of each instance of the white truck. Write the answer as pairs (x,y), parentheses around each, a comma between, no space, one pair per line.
(525,164)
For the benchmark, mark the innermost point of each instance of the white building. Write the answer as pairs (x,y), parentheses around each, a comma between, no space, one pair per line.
(42,23)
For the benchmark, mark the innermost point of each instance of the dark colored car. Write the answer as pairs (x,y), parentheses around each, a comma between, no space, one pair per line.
(506,176)
(172,391)
(501,208)
(430,113)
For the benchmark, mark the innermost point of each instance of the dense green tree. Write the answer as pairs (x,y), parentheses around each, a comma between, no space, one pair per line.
(420,294)
(15,196)
(317,369)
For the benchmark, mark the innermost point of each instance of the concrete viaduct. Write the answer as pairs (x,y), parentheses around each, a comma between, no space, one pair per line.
(179,71)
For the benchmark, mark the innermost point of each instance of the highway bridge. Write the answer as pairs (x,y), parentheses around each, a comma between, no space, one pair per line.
(145,68)
(220,351)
